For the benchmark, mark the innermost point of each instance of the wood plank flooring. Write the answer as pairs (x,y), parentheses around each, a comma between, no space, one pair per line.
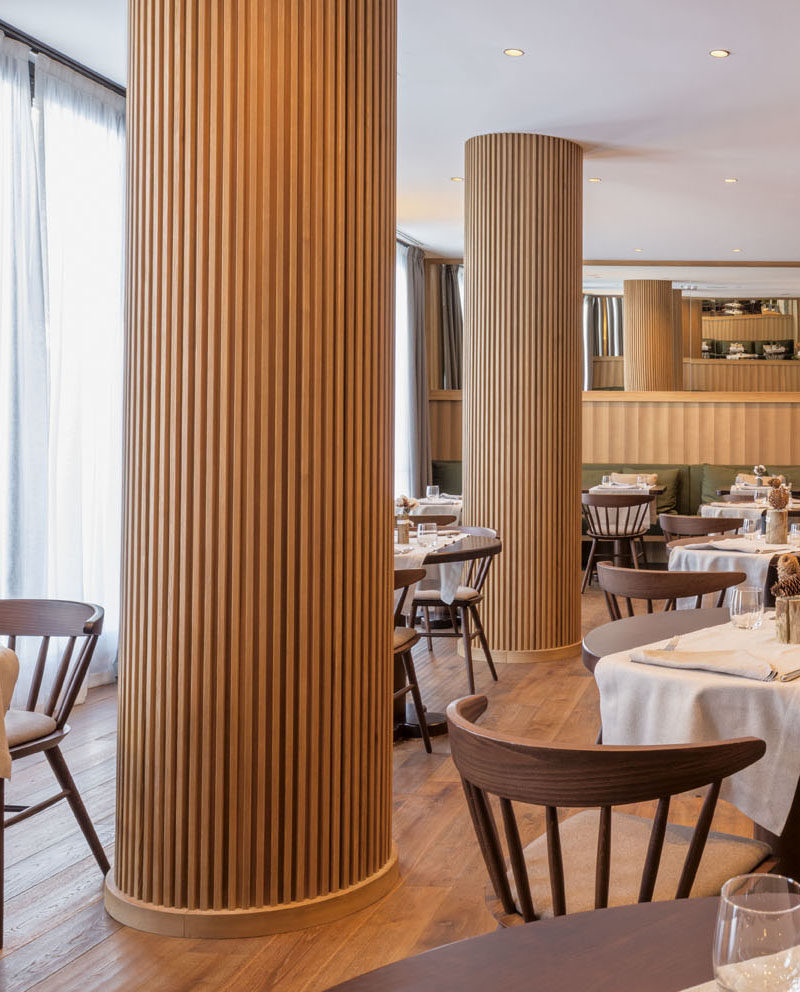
(58,936)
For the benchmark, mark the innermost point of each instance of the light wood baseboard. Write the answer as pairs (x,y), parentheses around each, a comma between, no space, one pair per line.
(257,922)
(524,657)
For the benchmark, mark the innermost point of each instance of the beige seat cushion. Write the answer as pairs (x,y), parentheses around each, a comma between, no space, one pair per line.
(464,594)
(723,857)
(630,480)
(22,726)
(404,637)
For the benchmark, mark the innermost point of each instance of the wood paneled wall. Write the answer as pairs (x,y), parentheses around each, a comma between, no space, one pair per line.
(692,327)
(741,375)
(650,329)
(446,421)
(254,715)
(721,428)
(522,383)
(607,372)
(750,327)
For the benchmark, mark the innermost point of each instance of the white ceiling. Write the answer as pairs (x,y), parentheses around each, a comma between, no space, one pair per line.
(662,123)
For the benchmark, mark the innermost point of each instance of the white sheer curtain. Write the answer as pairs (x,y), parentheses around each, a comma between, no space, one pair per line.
(403,382)
(62,199)
(81,157)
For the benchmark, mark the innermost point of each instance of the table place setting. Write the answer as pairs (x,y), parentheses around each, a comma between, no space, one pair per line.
(446,577)
(745,684)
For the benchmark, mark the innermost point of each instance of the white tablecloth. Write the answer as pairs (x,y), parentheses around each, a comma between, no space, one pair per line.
(702,558)
(446,578)
(644,704)
(748,511)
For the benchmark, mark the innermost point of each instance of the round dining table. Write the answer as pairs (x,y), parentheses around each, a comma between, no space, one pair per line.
(647,628)
(470,547)
(649,947)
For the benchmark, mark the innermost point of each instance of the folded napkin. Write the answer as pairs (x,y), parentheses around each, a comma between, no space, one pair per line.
(728,650)
(742,544)
(453,496)
(628,479)
(741,663)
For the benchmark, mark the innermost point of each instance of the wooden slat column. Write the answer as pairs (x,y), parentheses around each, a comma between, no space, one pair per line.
(522,410)
(651,347)
(255,673)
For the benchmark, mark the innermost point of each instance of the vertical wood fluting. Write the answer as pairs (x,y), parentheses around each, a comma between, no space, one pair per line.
(650,336)
(522,409)
(677,337)
(255,725)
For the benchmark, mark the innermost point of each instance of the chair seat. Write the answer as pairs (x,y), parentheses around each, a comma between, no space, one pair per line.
(464,594)
(22,727)
(610,535)
(404,638)
(723,857)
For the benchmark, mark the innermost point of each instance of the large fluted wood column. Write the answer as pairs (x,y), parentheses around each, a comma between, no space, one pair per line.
(522,408)
(255,682)
(651,339)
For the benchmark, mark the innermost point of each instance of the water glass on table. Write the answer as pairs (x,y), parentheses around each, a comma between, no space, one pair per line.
(757,937)
(747,607)
(428,534)
(432,493)
(641,483)
(606,480)
(794,535)
(751,529)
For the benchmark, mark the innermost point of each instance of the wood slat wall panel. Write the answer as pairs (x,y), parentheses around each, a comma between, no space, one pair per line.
(607,371)
(749,327)
(650,330)
(752,376)
(255,734)
(693,428)
(522,410)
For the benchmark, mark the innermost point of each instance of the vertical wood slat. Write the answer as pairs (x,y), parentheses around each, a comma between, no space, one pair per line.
(522,411)
(255,736)
(653,340)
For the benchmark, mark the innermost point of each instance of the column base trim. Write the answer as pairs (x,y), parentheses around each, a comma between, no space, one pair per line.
(258,922)
(525,657)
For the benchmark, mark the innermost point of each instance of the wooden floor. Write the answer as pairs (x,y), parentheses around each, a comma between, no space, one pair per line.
(59,937)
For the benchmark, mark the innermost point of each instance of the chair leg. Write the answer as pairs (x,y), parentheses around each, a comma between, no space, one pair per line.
(484,643)
(426,613)
(634,553)
(411,678)
(65,780)
(587,575)
(464,616)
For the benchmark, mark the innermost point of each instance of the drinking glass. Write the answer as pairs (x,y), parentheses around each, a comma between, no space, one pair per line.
(428,534)
(757,935)
(794,534)
(751,529)
(641,482)
(606,480)
(747,607)
(432,492)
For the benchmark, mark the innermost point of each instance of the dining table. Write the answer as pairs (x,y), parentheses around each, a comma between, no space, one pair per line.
(750,510)
(447,558)
(648,947)
(643,704)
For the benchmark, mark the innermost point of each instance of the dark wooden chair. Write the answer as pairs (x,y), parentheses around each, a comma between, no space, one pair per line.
(464,607)
(650,585)
(592,859)
(31,730)
(404,640)
(673,525)
(623,519)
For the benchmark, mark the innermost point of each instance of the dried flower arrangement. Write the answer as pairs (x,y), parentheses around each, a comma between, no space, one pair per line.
(788,583)
(778,496)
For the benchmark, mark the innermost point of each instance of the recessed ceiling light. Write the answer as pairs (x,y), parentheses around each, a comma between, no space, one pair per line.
(737,249)
(456,179)
(638,249)
(731,180)
(595,179)
(513,53)
(719,53)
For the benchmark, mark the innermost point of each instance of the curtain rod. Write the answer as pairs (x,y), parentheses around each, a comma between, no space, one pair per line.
(40,48)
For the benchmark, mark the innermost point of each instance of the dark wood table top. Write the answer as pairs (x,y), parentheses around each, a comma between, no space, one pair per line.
(657,947)
(470,546)
(632,632)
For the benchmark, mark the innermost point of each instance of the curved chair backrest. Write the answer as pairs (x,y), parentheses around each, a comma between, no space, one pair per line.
(477,569)
(609,515)
(632,583)
(404,578)
(80,623)
(517,769)
(674,525)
